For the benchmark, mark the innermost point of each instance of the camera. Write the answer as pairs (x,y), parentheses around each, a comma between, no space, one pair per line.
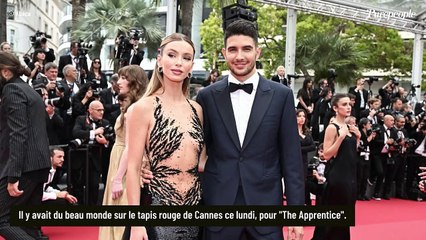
(370,80)
(331,74)
(59,86)
(75,143)
(125,45)
(295,76)
(52,101)
(40,79)
(374,128)
(109,132)
(83,49)
(395,81)
(39,38)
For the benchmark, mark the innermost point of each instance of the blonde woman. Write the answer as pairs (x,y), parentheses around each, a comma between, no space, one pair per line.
(166,127)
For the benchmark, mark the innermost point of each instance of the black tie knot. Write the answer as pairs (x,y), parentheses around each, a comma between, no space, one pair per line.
(248,88)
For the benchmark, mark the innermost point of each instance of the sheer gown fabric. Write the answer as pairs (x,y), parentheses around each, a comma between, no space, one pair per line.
(173,150)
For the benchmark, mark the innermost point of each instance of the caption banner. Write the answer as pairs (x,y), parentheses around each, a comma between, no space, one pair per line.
(183,216)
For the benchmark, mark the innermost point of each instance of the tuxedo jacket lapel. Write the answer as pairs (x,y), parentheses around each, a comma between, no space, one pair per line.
(224,105)
(260,106)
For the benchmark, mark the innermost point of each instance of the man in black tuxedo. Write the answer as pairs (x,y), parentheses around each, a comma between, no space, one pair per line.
(70,88)
(280,76)
(383,156)
(109,100)
(420,106)
(361,97)
(251,139)
(24,146)
(75,59)
(89,129)
(132,56)
(112,111)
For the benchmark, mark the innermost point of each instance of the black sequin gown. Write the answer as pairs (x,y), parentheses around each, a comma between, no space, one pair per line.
(173,151)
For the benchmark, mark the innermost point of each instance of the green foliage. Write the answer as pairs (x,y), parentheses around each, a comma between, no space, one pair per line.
(322,43)
(271,22)
(107,19)
(322,51)
(212,39)
(386,49)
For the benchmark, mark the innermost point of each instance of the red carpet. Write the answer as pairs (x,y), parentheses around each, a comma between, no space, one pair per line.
(375,220)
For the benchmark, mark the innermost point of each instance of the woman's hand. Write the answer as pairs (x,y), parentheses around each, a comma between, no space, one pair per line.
(353,129)
(117,188)
(138,233)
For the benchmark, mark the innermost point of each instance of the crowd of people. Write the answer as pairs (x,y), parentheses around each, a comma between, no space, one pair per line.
(151,144)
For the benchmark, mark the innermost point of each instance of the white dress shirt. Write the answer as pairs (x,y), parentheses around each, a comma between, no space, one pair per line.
(49,193)
(242,103)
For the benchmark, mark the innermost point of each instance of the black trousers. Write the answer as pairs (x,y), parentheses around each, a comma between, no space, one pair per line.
(32,195)
(363,174)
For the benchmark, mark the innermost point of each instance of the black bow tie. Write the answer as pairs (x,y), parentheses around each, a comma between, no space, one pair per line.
(248,88)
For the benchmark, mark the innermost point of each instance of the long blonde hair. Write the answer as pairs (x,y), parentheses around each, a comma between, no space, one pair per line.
(157,80)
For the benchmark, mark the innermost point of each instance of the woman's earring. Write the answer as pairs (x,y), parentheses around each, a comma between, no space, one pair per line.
(160,69)
(189,75)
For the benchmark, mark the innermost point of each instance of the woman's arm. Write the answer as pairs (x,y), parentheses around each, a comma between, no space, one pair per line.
(137,123)
(117,181)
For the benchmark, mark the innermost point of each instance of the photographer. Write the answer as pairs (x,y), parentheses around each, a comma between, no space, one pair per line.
(373,113)
(316,92)
(420,106)
(321,113)
(361,96)
(39,41)
(77,59)
(405,144)
(127,49)
(415,160)
(396,108)
(54,122)
(90,129)
(382,153)
(280,76)
(96,76)
(80,102)
(364,164)
(37,64)
(389,91)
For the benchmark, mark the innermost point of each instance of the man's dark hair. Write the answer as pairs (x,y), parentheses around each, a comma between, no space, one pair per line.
(53,149)
(242,27)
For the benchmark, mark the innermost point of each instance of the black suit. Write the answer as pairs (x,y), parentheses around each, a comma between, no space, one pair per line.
(54,126)
(380,162)
(358,95)
(83,126)
(24,151)
(66,59)
(282,80)
(250,173)
(63,112)
(112,110)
